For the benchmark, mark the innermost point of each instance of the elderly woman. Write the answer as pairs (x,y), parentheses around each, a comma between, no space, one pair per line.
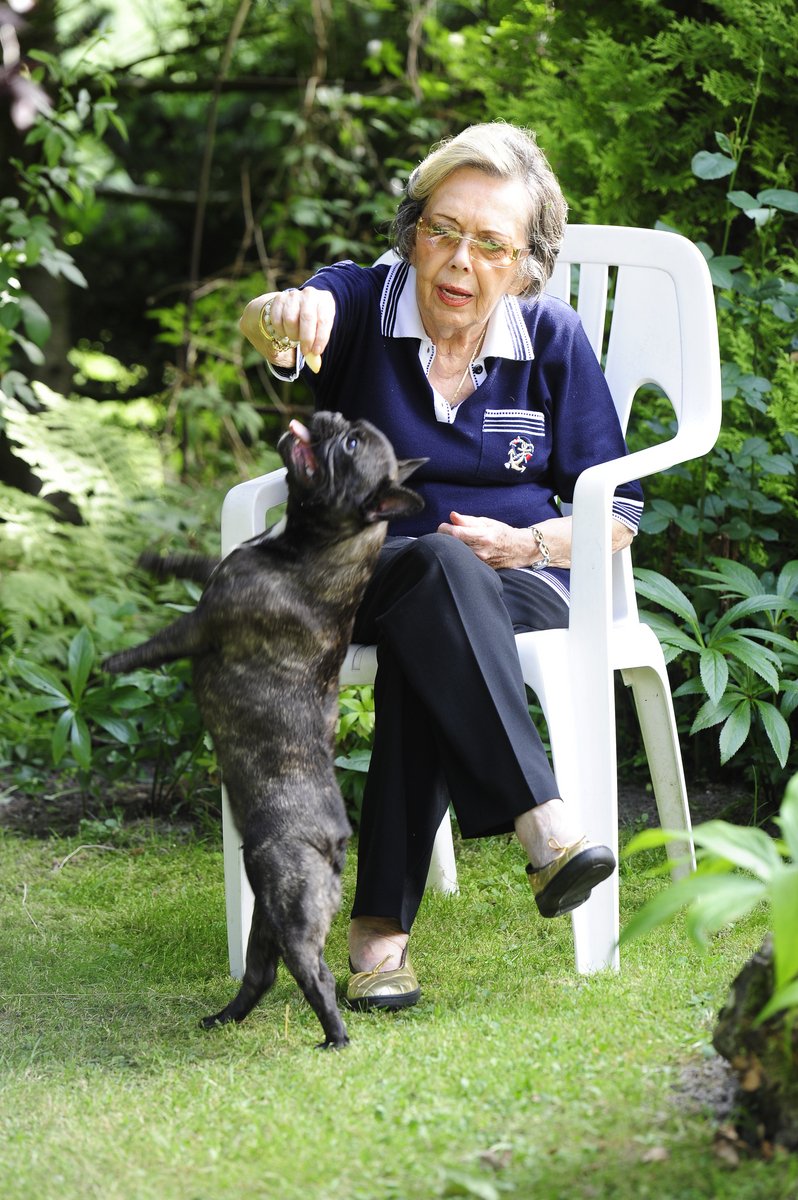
(453,350)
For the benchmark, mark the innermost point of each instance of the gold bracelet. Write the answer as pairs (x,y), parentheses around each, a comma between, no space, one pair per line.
(278,344)
(545,556)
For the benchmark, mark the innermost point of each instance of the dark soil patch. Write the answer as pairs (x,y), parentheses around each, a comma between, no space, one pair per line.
(707,1085)
(710,1087)
(58,806)
(708,802)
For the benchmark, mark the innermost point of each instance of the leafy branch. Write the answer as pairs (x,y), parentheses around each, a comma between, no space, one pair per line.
(737,868)
(742,667)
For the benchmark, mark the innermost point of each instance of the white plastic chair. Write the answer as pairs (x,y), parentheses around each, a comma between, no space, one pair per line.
(662,332)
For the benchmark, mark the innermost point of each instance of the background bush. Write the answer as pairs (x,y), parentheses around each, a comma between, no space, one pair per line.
(160,177)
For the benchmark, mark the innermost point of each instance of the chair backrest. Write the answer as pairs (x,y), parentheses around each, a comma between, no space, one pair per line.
(657,290)
(646,302)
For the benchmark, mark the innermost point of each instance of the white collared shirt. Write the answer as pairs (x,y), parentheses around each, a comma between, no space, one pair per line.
(506,337)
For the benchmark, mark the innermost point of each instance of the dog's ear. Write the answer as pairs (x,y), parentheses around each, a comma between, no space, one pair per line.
(407,466)
(391,501)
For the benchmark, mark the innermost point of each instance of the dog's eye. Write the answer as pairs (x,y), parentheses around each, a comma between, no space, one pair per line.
(352,442)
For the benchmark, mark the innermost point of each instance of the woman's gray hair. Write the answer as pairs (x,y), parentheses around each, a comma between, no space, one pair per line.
(504,152)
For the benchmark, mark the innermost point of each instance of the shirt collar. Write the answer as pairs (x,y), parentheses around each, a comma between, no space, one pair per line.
(507,335)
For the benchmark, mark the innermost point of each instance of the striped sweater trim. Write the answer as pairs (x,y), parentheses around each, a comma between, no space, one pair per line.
(514,421)
(391,295)
(628,512)
(551,581)
(516,327)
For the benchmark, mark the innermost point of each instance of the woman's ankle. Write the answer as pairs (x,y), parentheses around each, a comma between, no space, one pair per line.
(376,943)
(544,829)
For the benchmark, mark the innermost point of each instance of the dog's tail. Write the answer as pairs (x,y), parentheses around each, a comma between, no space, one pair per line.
(198,567)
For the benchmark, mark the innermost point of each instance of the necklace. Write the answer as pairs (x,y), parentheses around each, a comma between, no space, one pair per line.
(469,365)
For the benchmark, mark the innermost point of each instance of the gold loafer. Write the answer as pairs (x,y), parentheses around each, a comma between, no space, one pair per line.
(564,884)
(384,989)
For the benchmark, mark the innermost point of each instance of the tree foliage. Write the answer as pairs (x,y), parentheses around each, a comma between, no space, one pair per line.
(170,163)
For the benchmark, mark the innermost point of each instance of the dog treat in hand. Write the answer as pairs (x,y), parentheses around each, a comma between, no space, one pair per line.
(314,362)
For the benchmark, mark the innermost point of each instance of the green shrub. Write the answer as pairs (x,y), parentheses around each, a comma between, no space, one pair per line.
(108,728)
(737,869)
(744,643)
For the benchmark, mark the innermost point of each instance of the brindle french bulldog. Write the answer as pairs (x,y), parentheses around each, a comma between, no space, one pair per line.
(267,640)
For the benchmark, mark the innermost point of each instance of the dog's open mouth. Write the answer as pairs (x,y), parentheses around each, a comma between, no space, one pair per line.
(302,454)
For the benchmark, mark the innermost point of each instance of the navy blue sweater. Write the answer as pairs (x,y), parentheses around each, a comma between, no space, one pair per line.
(519,441)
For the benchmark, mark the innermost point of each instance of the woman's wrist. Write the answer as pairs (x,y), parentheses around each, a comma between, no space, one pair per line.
(278,351)
(250,326)
(277,345)
(543,553)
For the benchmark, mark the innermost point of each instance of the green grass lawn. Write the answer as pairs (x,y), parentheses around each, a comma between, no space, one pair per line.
(513,1076)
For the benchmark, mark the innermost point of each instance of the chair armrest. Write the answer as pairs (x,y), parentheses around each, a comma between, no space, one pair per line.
(245,507)
(591,554)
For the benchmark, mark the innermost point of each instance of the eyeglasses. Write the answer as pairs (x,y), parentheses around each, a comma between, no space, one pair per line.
(483,250)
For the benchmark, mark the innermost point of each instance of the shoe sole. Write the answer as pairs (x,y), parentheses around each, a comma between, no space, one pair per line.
(363,1003)
(572,885)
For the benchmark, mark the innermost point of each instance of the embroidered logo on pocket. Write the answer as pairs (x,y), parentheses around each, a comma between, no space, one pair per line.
(519,454)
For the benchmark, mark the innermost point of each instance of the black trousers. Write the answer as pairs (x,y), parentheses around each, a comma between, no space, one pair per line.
(451,708)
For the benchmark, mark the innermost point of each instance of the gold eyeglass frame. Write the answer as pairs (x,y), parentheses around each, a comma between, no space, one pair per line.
(424,227)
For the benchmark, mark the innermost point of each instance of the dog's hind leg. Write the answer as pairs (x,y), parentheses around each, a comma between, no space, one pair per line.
(182,639)
(310,885)
(314,977)
(261,968)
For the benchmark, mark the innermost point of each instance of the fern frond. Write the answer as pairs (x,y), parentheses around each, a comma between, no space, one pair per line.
(76,445)
(32,598)
(56,576)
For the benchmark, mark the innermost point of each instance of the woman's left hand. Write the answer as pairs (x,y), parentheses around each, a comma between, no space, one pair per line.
(501,545)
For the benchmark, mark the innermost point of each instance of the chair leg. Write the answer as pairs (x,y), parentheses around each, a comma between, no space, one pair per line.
(592,777)
(654,705)
(239,900)
(596,929)
(442,874)
(580,715)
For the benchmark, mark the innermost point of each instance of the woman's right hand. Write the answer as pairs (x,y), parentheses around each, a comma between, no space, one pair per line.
(303,316)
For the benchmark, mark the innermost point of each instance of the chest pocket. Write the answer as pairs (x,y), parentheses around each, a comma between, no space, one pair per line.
(512,443)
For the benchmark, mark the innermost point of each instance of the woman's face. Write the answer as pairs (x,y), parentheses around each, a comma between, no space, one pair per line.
(455,290)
